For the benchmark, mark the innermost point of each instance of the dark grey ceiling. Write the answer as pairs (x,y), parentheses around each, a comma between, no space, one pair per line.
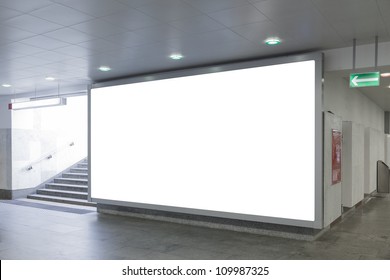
(70,39)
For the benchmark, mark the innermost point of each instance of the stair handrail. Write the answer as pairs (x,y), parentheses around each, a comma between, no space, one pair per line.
(49,156)
(381,161)
(382,179)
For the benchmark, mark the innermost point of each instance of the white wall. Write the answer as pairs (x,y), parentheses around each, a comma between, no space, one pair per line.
(352,164)
(341,59)
(5,114)
(387,149)
(37,133)
(352,105)
(5,142)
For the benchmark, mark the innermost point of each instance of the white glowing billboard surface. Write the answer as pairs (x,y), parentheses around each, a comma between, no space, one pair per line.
(240,141)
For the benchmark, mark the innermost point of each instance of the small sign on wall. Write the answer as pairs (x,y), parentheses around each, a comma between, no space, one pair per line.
(336,156)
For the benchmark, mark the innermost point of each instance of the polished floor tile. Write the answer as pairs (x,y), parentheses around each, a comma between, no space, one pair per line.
(38,233)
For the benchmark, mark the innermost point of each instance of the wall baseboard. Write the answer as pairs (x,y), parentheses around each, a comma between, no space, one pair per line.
(15,194)
(291,232)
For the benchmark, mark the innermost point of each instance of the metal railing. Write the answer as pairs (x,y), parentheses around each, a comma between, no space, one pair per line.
(382,177)
(48,156)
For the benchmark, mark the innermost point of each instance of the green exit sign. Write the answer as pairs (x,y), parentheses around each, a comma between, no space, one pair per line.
(370,79)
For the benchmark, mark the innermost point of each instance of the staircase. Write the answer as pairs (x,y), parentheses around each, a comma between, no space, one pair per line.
(70,188)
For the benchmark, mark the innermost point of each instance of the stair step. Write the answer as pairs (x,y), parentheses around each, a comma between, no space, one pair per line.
(79,170)
(61,193)
(62,200)
(67,187)
(71,181)
(71,188)
(75,175)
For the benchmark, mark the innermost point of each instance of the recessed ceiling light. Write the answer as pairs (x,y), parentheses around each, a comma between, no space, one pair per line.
(272,41)
(6,85)
(50,78)
(176,56)
(104,68)
(385,75)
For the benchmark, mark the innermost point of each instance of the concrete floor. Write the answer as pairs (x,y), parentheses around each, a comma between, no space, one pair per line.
(33,233)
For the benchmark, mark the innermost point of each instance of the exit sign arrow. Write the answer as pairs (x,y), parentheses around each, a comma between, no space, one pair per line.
(370,79)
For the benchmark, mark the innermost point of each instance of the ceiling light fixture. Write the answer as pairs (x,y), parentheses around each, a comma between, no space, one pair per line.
(104,68)
(37,103)
(272,41)
(6,85)
(176,56)
(50,78)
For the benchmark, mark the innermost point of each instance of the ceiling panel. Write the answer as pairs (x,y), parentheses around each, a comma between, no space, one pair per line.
(131,19)
(23,73)
(96,8)
(70,35)
(276,9)
(345,10)
(16,63)
(169,10)
(198,24)
(161,49)
(44,42)
(25,6)
(32,24)
(109,57)
(28,61)
(158,33)
(52,56)
(7,53)
(99,45)
(74,51)
(311,28)
(6,13)
(98,28)
(61,15)
(138,3)
(238,16)
(197,42)
(127,39)
(209,6)
(77,63)
(259,31)
(11,34)
(21,48)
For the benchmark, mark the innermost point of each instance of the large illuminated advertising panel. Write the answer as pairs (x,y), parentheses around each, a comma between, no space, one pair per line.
(241,143)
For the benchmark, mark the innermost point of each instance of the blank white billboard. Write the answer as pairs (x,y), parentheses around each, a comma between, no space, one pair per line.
(235,142)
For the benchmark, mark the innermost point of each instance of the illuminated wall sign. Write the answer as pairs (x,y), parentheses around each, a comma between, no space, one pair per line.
(370,79)
(237,144)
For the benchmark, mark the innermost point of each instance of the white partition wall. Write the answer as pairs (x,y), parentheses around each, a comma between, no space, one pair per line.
(243,143)
(352,164)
